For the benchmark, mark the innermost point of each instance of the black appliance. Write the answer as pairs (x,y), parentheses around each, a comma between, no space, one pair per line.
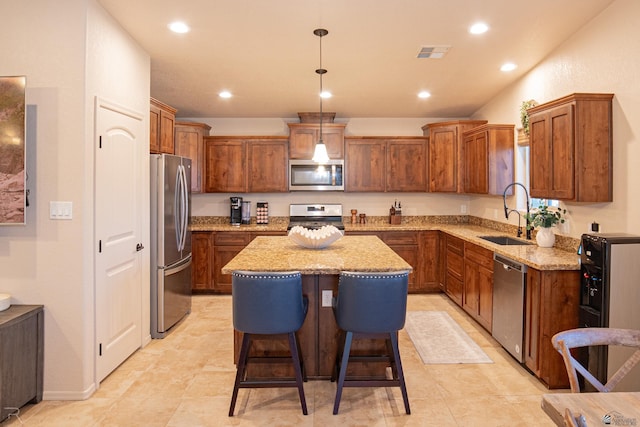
(609,297)
(235,216)
(314,216)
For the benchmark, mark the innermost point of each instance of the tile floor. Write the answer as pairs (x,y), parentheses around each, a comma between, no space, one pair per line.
(186,380)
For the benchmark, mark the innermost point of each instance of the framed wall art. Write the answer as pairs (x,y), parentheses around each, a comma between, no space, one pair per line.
(12,150)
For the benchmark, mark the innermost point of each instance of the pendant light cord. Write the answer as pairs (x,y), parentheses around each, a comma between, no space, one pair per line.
(320,32)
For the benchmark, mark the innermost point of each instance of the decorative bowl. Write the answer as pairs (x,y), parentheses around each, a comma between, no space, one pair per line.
(5,301)
(314,239)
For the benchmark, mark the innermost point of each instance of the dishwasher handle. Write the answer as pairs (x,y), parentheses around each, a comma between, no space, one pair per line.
(509,264)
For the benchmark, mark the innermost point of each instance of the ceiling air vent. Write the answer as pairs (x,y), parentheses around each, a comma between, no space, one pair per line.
(433,52)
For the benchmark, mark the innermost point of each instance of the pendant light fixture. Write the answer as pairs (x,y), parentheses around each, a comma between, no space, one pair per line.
(320,153)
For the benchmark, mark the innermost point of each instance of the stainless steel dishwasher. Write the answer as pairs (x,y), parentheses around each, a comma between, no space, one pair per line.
(509,279)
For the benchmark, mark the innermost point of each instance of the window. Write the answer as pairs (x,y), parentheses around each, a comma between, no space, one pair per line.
(548,202)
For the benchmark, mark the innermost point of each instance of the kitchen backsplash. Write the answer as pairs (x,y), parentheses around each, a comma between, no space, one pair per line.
(562,242)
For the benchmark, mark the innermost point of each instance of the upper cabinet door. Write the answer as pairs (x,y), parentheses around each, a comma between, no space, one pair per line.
(365,165)
(162,120)
(304,136)
(552,154)
(267,161)
(476,163)
(226,161)
(407,164)
(443,159)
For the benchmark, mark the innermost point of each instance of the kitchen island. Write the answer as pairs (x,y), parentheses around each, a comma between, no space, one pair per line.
(320,270)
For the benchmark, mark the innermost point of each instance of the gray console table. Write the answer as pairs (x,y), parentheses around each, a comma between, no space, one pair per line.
(21,357)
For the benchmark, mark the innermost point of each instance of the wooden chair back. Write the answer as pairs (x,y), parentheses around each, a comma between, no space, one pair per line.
(585,337)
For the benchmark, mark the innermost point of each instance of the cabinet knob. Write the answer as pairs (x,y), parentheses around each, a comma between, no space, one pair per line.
(139,247)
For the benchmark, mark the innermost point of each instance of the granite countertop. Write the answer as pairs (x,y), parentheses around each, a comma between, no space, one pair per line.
(561,257)
(350,253)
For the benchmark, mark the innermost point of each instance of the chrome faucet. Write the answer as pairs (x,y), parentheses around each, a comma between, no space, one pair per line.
(507,211)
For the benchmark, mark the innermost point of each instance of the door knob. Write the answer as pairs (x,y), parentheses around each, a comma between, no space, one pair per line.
(139,247)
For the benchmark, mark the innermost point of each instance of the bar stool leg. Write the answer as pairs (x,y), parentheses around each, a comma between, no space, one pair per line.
(398,363)
(242,367)
(343,370)
(297,365)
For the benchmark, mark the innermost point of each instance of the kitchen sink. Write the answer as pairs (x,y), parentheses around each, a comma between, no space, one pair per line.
(505,240)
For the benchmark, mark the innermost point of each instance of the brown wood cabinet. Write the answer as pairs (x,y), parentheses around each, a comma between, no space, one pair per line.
(304,136)
(162,120)
(446,158)
(365,165)
(407,245)
(267,166)
(189,142)
(419,249)
(386,164)
(571,148)
(488,158)
(551,306)
(202,279)
(430,257)
(454,261)
(213,250)
(478,284)
(245,164)
(406,164)
(225,247)
(225,162)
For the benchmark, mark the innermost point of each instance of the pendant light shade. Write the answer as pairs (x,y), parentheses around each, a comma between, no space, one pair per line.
(320,153)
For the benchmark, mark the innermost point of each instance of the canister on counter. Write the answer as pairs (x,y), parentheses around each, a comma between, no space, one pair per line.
(262,213)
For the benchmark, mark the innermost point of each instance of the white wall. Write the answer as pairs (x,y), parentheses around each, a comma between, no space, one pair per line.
(118,71)
(46,261)
(601,57)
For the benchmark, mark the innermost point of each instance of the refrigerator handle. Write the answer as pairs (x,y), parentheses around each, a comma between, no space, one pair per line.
(184,206)
(177,203)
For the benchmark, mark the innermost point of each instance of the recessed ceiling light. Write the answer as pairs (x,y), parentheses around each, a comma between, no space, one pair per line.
(225,94)
(325,94)
(509,66)
(424,94)
(179,27)
(479,28)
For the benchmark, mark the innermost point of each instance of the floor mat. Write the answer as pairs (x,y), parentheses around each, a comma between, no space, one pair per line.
(440,340)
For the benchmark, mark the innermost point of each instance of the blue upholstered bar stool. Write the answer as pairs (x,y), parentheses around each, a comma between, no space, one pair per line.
(266,303)
(371,305)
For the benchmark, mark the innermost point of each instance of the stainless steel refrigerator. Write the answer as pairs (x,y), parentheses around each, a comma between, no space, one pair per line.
(170,242)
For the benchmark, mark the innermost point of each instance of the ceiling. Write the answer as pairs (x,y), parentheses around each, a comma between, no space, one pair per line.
(266,54)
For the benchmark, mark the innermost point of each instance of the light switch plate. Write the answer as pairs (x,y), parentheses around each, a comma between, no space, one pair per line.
(327,298)
(60,210)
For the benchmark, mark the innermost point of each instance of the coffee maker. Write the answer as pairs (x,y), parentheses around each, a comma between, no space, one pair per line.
(235,217)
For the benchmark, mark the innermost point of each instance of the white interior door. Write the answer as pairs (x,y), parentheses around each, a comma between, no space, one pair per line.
(118,198)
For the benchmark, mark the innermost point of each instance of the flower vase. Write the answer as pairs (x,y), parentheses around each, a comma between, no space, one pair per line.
(545,237)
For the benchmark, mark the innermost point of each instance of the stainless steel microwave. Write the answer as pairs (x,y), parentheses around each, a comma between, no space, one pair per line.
(307,175)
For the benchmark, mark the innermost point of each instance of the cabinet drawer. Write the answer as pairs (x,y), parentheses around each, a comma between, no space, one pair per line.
(400,238)
(479,255)
(232,239)
(455,265)
(455,245)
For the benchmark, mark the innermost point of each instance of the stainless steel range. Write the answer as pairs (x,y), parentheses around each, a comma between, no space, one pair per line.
(314,216)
